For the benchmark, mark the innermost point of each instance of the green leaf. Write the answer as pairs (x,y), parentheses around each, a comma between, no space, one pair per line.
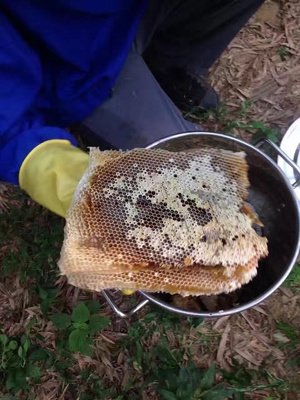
(289,330)
(20,352)
(98,323)
(13,345)
(61,321)
(80,313)
(16,379)
(33,371)
(219,392)
(39,355)
(76,338)
(195,322)
(239,396)
(80,325)
(93,306)
(209,377)
(258,125)
(79,342)
(25,343)
(42,293)
(293,280)
(87,349)
(149,317)
(3,339)
(45,305)
(167,395)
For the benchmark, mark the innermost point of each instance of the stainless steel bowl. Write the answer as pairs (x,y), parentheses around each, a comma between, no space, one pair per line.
(273,198)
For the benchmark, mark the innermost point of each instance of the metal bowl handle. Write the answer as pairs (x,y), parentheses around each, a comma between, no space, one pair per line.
(286,158)
(120,313)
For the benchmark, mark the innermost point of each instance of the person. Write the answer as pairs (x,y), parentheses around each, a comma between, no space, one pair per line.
(116,72)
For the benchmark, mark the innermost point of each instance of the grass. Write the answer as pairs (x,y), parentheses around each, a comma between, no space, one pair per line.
(284,53)
(293,280)
(34,237)
(152,358)
(234,122)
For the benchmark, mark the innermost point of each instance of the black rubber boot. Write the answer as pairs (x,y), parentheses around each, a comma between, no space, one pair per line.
(186,90)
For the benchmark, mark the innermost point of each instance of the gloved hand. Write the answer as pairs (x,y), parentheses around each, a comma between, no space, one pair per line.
(51,172)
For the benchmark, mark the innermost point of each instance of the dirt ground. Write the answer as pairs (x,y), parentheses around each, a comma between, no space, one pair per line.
(262,65)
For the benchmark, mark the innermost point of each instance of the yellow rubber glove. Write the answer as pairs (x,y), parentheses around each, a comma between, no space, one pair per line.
(51,172)
(128,292)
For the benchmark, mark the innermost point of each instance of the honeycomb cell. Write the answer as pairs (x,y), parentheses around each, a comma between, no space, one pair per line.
(155,210)
(196,282)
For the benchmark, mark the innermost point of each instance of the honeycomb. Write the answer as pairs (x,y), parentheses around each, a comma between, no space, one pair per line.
(162,221)
(193,281)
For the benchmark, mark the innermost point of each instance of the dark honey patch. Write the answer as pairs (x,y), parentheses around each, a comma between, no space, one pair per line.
(152,215)
(200,215)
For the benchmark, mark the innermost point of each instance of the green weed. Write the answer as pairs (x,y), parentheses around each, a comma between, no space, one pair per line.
(293,280)
(164,319)
(169,370)
(174,375)
(191,383)
(47,297)
(17,366)
(261,130)
(244,381)
(238,119)
(289,331)
(284,53)
(79,327)
(291,343)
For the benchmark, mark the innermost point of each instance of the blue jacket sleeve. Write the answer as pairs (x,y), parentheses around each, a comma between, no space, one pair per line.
(21,127)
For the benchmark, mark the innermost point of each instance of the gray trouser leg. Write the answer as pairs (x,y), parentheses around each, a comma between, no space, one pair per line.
(186,33)
(138,112)
(191,34)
